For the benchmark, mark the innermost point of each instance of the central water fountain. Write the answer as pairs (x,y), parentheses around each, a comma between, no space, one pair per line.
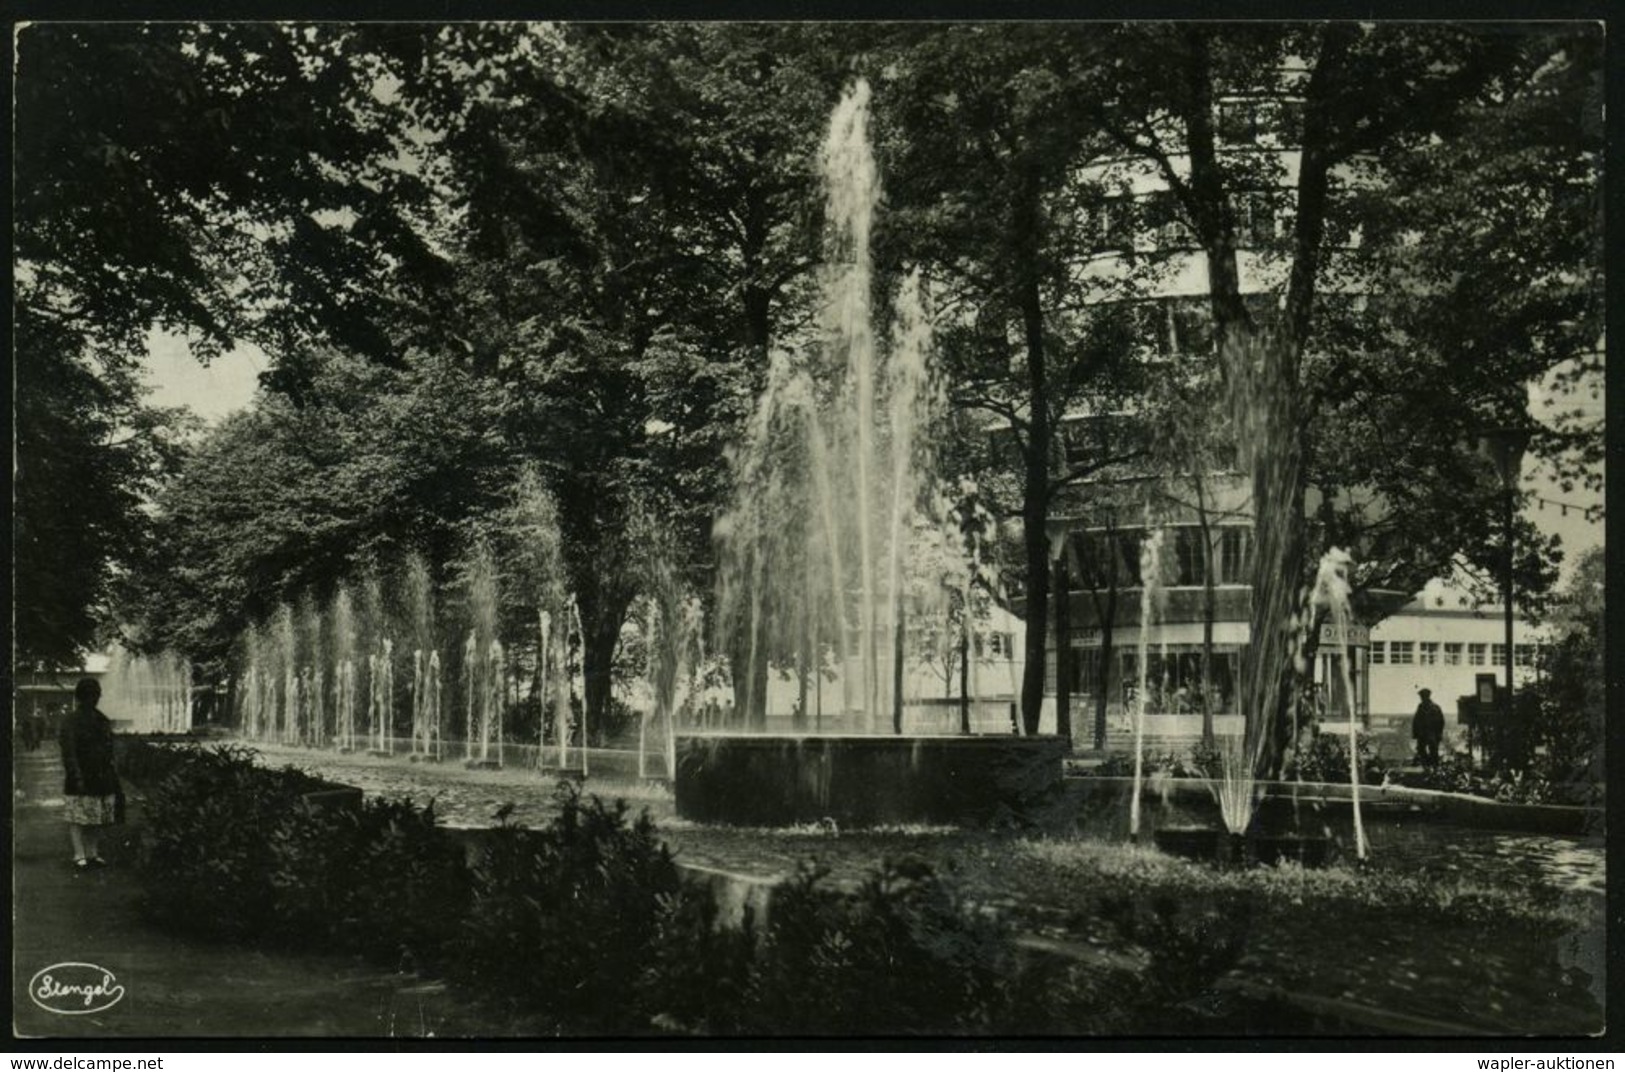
(817,554)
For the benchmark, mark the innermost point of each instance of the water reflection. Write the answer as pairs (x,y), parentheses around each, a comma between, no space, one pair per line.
(1576,865)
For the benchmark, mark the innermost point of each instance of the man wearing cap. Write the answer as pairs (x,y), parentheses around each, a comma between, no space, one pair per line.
(1427,729)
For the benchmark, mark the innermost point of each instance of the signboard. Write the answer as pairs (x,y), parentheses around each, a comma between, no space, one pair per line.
(1486,688)
(1352,635)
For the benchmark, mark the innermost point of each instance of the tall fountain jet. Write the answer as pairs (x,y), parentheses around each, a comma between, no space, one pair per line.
(1150,586)
(830,475)
(1332,591)
(836,545)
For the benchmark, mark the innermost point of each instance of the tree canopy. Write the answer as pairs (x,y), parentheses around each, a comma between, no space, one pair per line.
(476,251)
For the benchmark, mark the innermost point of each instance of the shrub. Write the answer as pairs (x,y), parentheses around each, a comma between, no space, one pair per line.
(900,954)
(699,971)
(145,762)
(1206,760)
(233,852)
(411,885)
(1326,759)
(208,853)
(1199,761)
(382,879)
(562,920)
(1537,785)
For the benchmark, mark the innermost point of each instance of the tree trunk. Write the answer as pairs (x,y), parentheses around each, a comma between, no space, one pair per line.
(803,669)
(1063,650)
(1035,511)
(603,628)
(897,674)
(1108,625)
(1277,570)
(1261,374)
(1026,225)
(1104,579)
(1210,609)
(964,674)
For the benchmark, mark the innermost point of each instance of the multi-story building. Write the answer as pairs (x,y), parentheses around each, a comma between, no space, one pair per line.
(1197,628)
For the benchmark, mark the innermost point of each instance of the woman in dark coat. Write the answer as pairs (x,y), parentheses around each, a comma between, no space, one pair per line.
(91,785)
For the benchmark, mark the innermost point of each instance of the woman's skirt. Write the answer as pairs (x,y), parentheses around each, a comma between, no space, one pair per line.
(91,811)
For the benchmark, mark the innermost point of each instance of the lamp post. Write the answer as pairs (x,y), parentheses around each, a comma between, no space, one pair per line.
(1506,445)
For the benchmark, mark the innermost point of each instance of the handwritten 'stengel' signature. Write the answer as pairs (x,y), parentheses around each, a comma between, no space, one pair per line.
(74,988)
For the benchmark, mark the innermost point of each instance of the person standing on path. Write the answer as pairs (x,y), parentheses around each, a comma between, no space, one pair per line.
(94,797)
(1427,729)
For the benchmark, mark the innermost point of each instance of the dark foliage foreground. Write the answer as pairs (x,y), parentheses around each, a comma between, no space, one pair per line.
(587,926)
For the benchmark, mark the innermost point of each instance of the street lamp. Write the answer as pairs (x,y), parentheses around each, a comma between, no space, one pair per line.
(1505,445)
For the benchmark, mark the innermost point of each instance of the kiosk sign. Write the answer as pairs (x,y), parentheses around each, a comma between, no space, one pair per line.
(1352,635)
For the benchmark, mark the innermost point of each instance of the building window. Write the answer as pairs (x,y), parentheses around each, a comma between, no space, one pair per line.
(1236,124)
(1111,559)
(1475,654)
(1452,654)
(1428,655)
(1403,652)
(1263,217)
(1113,224)
(1188,569)
(1261,121)
(1525,654)
(1164,218)
(1156,327)
(1498,654)
(1235,547)
(1193,327)
(1264,309)
(1378,650)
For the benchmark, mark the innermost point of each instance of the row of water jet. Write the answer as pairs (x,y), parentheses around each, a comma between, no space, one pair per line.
(427,737)
(153,694)
(327,675)
(320,675)
(816,548)
(306,678)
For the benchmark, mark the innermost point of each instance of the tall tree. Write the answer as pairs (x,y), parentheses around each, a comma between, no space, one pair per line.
(87,455)
(226,181)
(283,500)
(986,130)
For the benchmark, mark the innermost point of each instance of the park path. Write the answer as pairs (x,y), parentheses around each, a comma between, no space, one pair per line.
(178,987)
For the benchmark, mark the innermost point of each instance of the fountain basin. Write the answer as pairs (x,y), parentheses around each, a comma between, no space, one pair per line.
(860,780)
